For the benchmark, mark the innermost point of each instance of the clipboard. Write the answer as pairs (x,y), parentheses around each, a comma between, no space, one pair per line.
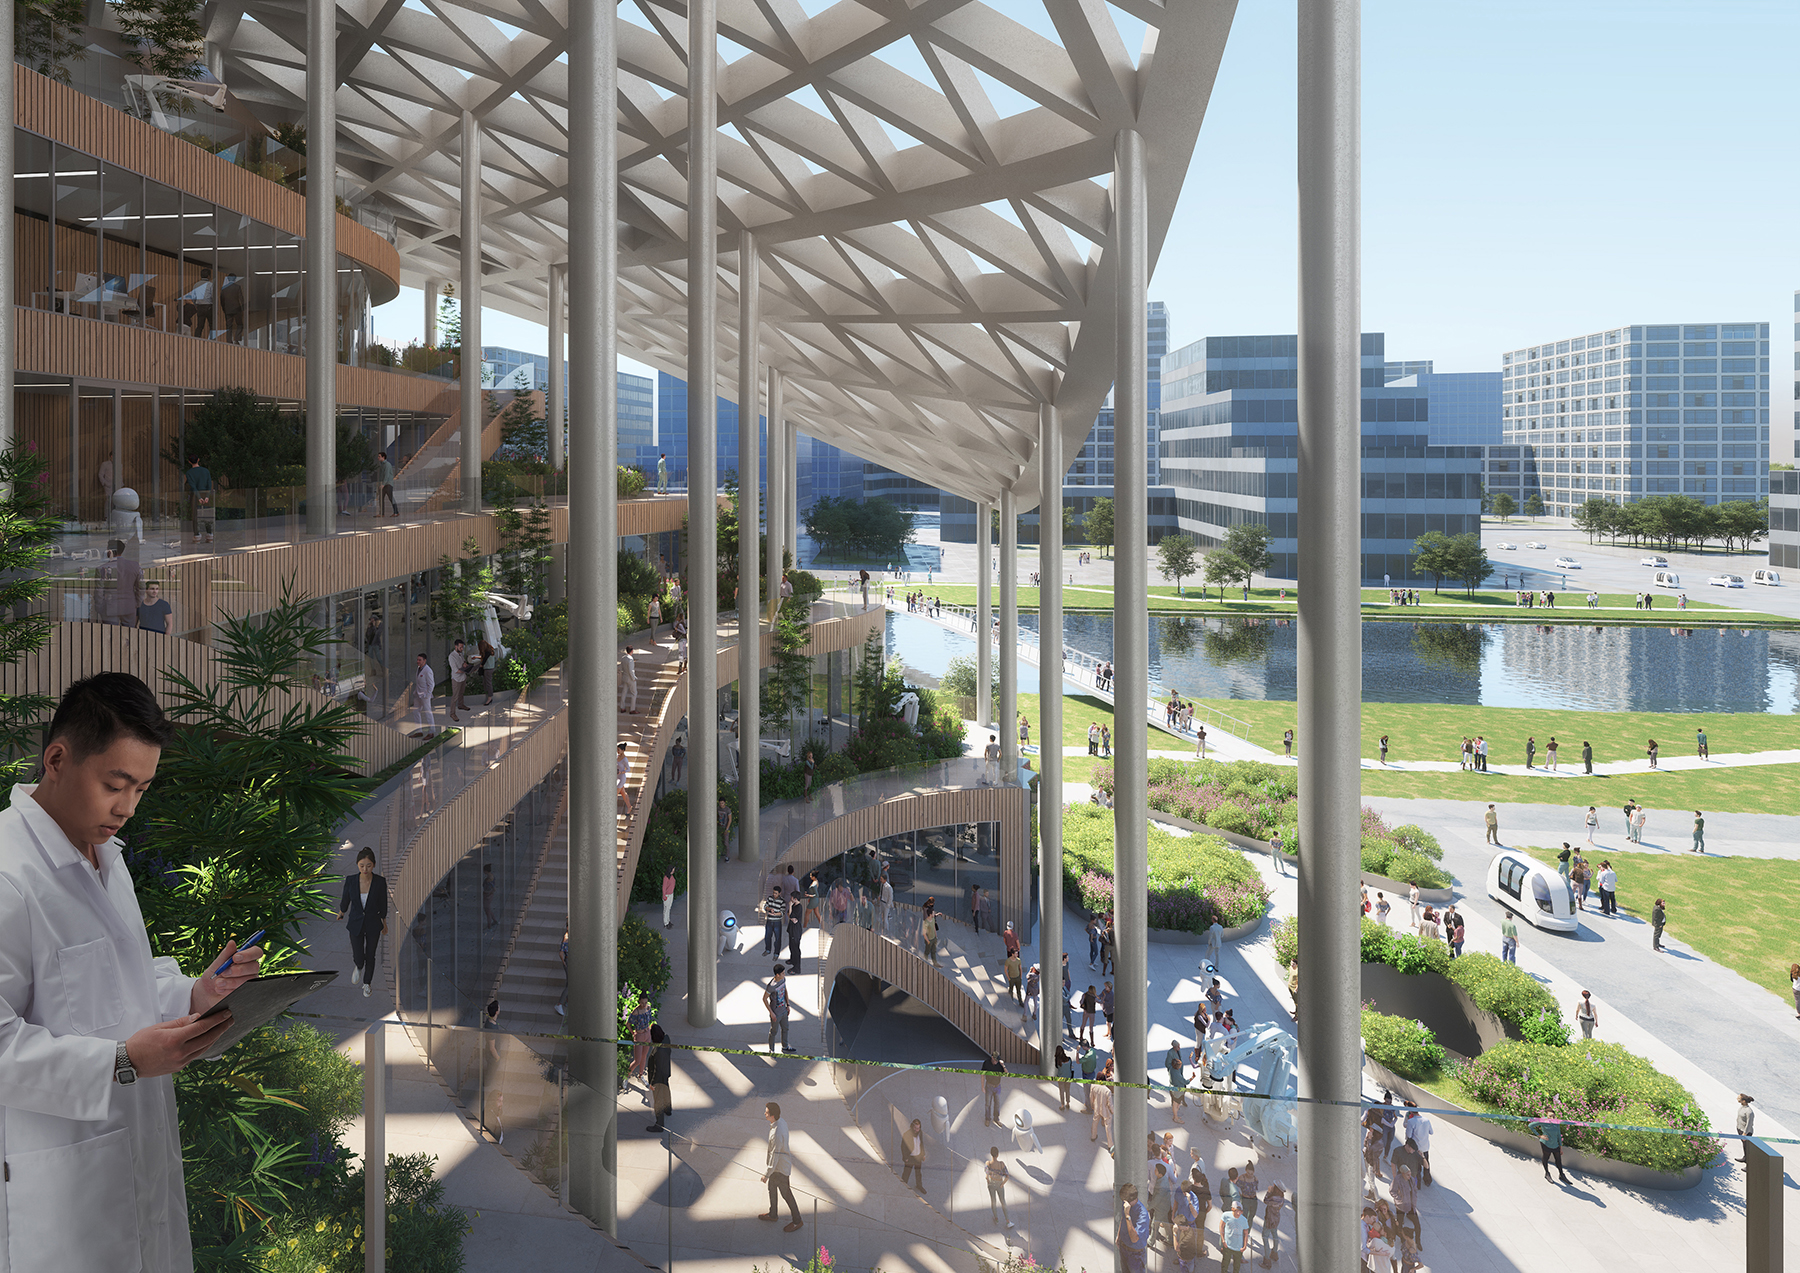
(260,1000)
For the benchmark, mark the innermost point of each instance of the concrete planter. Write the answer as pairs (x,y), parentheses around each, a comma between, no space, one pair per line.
(1175,937)
(1396,889)
(1438,1003)
(1573,1159)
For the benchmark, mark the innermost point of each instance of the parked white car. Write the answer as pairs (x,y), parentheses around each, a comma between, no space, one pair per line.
(1531,543)
(1726,581)
(1510,548)
(1567,563)
(1654,561)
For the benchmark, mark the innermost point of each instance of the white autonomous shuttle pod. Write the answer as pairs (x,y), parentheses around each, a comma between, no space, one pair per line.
(1534,892)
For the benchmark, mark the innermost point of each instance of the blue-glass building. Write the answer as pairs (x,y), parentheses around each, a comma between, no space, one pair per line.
(516,369)
(1465,405)
(1230,452)
(1657,409)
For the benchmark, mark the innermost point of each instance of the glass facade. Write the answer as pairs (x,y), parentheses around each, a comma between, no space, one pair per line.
(1230,451)
(1655,409)
(100,242)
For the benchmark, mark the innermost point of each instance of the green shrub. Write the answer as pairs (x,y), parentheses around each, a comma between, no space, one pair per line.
(1406,952)
(1416,839)
(323,1234)
(1287,940)
(1403,1045)
(1192,879)
(1514,996)
(1594,1082)
(1384,857)
(631,482)
(643,957)
(1233,818)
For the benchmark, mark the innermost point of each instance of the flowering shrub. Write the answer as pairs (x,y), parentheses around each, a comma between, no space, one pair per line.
(1405,1046)
(1193,879)
(1516,997)
(1599,1083)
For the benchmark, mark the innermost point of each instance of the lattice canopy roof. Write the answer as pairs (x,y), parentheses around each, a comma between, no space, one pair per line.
(928,181)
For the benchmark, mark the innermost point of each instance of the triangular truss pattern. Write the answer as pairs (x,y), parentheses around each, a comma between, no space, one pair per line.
(928,179)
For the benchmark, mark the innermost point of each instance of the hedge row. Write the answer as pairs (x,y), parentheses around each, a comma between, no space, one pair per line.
(1193,879)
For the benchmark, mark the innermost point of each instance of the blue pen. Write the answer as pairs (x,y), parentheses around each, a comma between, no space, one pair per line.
(243,945)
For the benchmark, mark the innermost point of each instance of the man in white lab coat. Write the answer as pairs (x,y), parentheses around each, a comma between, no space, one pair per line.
(90,1025)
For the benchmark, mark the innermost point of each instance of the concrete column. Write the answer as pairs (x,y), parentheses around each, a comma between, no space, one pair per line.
(775,499)
(749,556)
(1329,635)
(703,512)
(1131,662)
(593,604)
(375,1077)
(553,396)
(432,295)
(790,488)
(1050,728)
(984,622)
(1764,1177)
(1009,635)
(471,313)
(321,267)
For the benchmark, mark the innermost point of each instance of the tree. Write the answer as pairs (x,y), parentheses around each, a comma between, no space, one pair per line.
(242,438)
(1176,559)
(457,601)
(1069,525)
(449,324)
(1224,568)
(1534,505)
(164,37)
(1594,516)
(524,558)
(49,34)
(1436,554)
(1097,526)
(1504,505)
(1744,521)
(874,529)
(26,534)
(1470,563)
(523,433)
(1249,543)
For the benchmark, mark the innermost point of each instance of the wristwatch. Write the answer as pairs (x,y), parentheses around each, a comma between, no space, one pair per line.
(123,1072)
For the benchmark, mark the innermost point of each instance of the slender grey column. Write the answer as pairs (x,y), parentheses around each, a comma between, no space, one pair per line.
(775,499)
(7,264)
(703,513)
(1009,635)
(375,1075)
(553,398)
(431,312)
(1764,1177)
(1131,664)
(1050,730)
(321,267)
(749,556)
(984,623)
(592,1120)
(471,313)
(1329,639)
(790,489)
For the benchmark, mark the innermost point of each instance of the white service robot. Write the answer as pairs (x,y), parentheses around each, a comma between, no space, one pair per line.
(125,522)
(728,932)
(908,708)
(1269,1110)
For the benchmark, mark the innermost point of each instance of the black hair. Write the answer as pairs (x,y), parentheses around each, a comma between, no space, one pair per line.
(97,709)
(365,852)
(657,1034)
(774,1107)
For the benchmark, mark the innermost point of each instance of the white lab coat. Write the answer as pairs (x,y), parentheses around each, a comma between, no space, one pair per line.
(94,1169)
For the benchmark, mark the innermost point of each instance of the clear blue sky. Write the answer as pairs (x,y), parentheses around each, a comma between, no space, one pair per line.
(1531,169)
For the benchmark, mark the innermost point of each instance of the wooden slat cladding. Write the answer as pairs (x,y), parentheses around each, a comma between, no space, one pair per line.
(76,650)
(86,349)
(66,115)
(855,947)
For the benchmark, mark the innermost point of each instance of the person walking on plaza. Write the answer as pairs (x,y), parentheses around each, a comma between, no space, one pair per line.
(1793,980)
(1273,1202)
(990,772)
(459,678)
(1287,742)
(775,1003)
(1015,981)
(996,1175)
(1530,752)
(1406,1202)
(662,473)
(1234,1232)
(1106,740)
(1162,1203)
(912,1156)
(1215,936)
(628,687)
(668,896)
(1699,832)
(774,911)
(1492,818)
(1481,754)
(365,902)
(1412,906)
(423,687)
(1650,750)
(778,1169)
(1418,1131)
(811,767)
(384,484)
(1090,1000)
(1586,1015)
(887,905)
(1700,747)
(1090,1063)
(992,1070)
(1658,915)
(1134,1230)
(1593,823)
(1550,753)
(1549,1133)
(662,1066)
(796,927)
(1587,757)
(1100,1101)
(1746,1124)
(1639,816)
(1185,1213)
(1034,988)
(1093,738)
(1384,748)
(1629,809)
(1177,1082)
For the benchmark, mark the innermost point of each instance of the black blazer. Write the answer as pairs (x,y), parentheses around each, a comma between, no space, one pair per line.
(355,914)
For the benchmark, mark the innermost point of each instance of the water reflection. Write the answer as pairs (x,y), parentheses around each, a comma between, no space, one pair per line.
(1589,668)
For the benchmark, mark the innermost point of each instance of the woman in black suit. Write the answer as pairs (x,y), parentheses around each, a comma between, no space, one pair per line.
(365,904)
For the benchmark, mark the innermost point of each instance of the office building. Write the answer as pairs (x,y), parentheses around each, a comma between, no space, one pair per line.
(1230,452)
(1464,405)
(515,369)
(1633,411)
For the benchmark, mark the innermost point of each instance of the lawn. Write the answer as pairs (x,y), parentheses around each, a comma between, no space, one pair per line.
(1736,911)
